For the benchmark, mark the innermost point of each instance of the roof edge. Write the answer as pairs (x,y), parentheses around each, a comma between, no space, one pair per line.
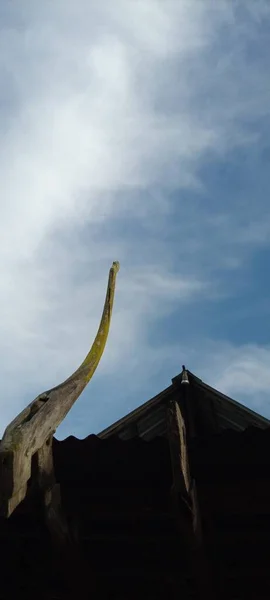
(134,414)
(162,396)
(200,383)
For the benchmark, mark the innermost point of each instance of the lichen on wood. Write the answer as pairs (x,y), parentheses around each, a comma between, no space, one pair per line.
(30,430)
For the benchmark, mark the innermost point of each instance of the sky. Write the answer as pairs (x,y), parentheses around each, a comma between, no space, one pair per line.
(135,131)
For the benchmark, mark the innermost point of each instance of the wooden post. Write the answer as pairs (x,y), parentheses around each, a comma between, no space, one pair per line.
(69,563)
(50,490)
(27,442)
(178,449)
(184,495)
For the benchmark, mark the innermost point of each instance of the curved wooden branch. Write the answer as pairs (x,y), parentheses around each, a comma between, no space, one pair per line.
(30,430)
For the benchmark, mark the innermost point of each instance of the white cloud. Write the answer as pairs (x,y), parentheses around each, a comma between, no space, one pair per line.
(102,100)
(239,371)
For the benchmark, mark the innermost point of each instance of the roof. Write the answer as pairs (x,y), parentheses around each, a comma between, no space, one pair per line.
(149,419)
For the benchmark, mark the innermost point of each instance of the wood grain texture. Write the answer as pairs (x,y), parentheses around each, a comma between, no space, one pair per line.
(30,430)
(178,449)
(184,494)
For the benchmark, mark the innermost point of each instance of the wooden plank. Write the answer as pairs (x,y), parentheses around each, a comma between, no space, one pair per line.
(178,450)
(30,430)
(184,492)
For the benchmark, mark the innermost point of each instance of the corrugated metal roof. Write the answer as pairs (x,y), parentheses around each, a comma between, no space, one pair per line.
(149,419)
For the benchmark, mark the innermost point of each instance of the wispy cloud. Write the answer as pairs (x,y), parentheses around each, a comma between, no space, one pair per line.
(241,372)
(110,112)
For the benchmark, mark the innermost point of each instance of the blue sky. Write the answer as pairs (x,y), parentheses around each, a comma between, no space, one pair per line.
(138,132)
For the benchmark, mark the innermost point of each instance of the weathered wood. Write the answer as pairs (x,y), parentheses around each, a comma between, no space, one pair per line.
(68,562)
(30,430)
(184,494)
(178,450)
(45,467)
(50,490)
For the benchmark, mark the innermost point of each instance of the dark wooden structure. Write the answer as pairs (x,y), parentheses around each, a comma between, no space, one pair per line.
(172,501)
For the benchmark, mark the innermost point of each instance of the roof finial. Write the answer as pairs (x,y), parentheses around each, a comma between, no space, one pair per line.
(184,378)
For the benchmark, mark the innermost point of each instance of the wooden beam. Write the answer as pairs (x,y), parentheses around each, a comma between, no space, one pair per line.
(185,501)
(178,449)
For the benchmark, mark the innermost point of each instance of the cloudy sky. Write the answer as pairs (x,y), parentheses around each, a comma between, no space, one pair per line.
(138,131)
